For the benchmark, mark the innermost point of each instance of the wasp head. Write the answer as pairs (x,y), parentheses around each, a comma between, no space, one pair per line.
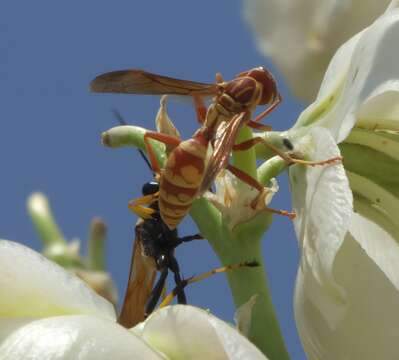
(263,77)
(150,188)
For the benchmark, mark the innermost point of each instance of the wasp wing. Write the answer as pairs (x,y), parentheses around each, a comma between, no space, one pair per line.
(142,82)
(222,147)
(141,281)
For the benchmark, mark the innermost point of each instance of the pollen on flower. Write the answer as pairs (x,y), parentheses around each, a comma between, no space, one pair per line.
(234,199)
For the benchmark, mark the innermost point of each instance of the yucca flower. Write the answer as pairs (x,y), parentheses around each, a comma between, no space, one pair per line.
(46,313)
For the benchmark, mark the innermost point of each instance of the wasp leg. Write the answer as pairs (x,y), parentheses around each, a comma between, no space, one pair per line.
(168,298)
(219,78)
(200,108)
(174,266)
(257,126)
(272,106)
(187,239)
(156,292)
(163,138)
(289,159)
(137,207)
(191,238)
(259,201)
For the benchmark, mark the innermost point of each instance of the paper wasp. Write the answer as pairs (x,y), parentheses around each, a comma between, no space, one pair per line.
(189,171)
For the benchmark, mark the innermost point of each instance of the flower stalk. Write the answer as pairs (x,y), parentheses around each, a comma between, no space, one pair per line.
(43,220)
(90,268)
(96,251)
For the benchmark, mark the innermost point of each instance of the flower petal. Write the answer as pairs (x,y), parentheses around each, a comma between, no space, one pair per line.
(233,198)
(375,188)
(243,315)
(322,200)
(36,287)
(363,74)
(186,332)
(72,337)
(366,268)
(301,36)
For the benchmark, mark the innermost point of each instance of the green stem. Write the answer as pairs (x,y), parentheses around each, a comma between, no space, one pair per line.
(132,136)
(245,160)
(96,252)
(271,168)
(237,246)
(243,243)
(43,221)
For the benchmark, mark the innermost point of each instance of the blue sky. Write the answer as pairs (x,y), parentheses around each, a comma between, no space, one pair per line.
(51,124)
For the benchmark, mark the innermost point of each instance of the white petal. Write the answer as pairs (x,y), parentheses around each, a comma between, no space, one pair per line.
(367,268)
(301,36)
(163,122)
(233,198)
(322,200)
(243,315)
(36,287)
(73,338)
(363,75)
(378,245)
(186,332)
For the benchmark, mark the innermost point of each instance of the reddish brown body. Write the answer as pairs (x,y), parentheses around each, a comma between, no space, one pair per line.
(188,172)
(185,175)
(181,178)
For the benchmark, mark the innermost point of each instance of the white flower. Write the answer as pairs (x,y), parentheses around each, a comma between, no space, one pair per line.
(90,269)
(47,313)
(301,36)
(347,291)
(234,198)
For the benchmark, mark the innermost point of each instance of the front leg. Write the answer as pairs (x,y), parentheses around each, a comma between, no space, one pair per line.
(259,201)
(272,106)
(137,207)
(289,159)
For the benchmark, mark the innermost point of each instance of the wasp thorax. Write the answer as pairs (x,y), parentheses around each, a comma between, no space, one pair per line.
(240,94)
(267,82)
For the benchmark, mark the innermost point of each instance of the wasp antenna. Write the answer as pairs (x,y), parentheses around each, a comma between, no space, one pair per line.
(118,117)
(146,160)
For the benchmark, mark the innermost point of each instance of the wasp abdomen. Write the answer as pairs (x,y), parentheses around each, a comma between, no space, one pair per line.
(181,179)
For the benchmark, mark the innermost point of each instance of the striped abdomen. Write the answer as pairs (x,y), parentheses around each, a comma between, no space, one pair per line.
(181,179)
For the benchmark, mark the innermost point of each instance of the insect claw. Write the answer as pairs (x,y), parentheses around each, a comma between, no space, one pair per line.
(290,214)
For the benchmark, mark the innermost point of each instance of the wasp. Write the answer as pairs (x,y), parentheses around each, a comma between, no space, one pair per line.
(189,171)
(153,252)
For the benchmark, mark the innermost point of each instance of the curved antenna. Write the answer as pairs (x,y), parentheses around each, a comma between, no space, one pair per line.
(146,160)
(118,117)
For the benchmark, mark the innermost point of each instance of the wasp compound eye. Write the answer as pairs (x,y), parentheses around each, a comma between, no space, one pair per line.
(150,188)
